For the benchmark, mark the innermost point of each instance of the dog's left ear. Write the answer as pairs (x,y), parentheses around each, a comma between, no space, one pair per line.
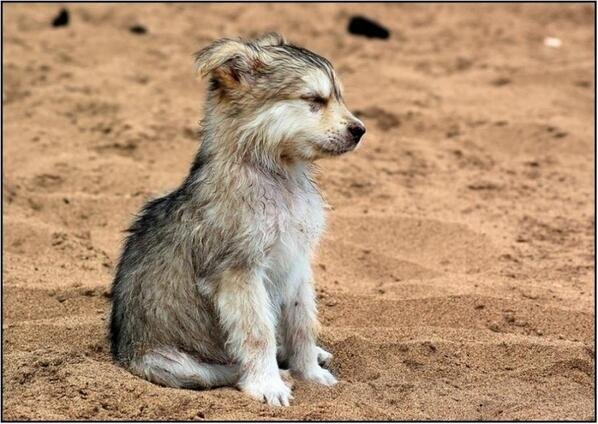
(230,62)
(269,39)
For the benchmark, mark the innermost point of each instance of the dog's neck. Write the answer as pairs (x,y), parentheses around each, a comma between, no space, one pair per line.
(230,145)
(231,165)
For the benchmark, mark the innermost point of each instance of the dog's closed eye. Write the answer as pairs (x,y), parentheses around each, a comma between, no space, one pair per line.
(316,101)
(314,98)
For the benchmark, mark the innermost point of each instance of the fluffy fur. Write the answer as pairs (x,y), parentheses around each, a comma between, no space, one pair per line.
(215,281)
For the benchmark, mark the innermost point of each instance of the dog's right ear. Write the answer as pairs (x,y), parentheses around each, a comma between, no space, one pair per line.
(230,62)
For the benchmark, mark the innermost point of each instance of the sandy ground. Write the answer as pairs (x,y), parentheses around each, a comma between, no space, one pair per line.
(456,278)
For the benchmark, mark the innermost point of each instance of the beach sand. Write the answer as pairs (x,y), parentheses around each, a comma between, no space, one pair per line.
(456,277)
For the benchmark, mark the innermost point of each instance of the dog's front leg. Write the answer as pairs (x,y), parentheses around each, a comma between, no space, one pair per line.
(299,330)
(245,314)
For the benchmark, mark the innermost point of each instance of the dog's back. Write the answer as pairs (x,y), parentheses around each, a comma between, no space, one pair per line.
(154,298)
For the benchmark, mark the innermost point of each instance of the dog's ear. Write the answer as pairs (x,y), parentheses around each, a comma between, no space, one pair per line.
(269,39)
(230,62)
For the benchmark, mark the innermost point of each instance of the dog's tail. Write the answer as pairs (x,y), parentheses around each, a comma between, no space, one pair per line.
(173,368)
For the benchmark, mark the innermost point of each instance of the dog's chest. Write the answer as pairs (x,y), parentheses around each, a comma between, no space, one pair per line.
(299,224)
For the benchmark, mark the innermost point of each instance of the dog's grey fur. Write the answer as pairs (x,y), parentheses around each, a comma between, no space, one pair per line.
(215,279)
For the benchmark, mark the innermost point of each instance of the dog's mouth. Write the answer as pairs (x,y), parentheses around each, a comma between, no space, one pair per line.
(336,150)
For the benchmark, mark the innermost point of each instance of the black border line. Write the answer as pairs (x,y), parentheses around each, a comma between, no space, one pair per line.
(3,2)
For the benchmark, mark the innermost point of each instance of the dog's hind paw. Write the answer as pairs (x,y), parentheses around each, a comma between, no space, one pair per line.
(324,358)
(319,375)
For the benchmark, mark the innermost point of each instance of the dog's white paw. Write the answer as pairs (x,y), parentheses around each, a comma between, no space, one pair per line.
(319,375)
(324,358)
(273,391)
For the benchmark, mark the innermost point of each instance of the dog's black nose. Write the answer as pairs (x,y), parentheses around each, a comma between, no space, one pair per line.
(356,131)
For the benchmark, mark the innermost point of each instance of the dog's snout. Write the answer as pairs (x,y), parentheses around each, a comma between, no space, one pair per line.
(357,131)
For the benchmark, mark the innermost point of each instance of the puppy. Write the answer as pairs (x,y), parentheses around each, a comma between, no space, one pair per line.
(215,278)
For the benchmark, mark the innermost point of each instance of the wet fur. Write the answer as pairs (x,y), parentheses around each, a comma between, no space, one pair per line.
(215,279)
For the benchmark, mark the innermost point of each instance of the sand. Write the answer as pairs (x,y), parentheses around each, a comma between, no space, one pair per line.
(455,280)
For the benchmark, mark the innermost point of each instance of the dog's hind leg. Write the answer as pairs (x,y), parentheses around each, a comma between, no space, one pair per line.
(173,368)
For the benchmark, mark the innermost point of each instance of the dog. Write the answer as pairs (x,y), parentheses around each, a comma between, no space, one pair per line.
(214,285)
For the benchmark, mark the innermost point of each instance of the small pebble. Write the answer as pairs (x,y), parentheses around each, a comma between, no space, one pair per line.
(62,19)
(553,42)
(360,25)
(138,29)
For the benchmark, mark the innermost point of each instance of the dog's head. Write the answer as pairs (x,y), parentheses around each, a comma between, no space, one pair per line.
(282,99)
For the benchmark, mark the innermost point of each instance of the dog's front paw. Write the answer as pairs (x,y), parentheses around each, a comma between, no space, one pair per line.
(319,375)
(324,358)
(273,391)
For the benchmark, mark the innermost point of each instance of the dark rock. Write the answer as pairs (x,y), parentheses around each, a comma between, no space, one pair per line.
(360,25)
(138,29)
(62,19)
